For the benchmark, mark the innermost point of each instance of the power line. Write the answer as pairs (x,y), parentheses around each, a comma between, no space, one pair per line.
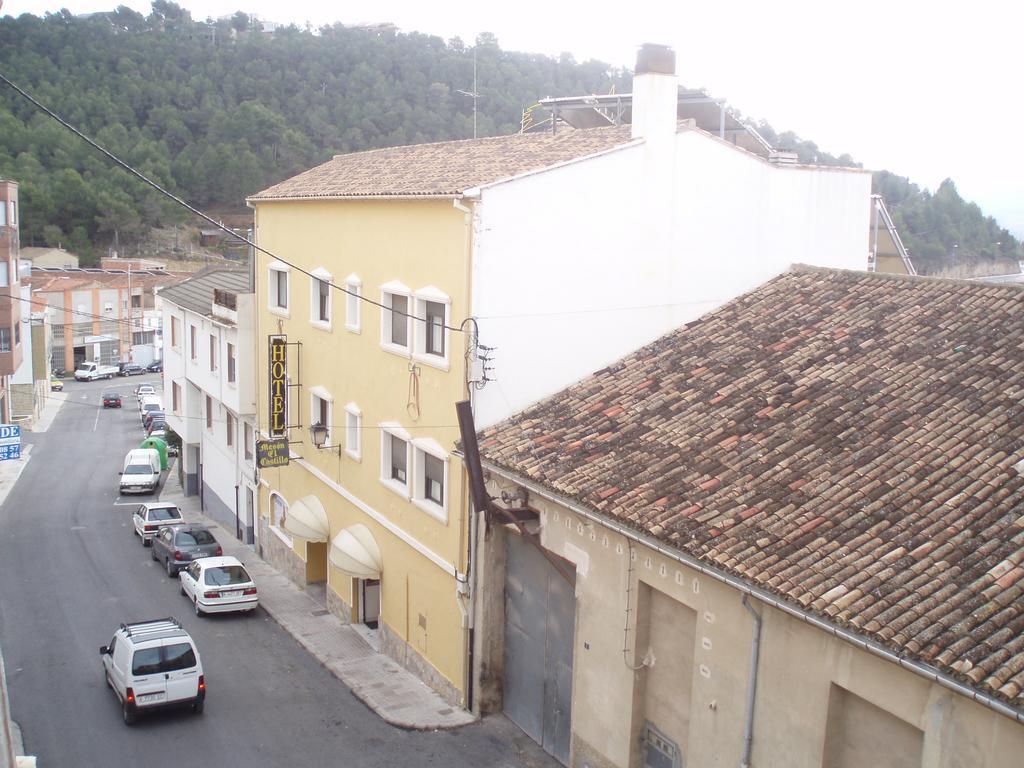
(78,312)
(195,211)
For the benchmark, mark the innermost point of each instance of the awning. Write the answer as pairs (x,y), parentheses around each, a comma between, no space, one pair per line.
(307,519)
(355,553)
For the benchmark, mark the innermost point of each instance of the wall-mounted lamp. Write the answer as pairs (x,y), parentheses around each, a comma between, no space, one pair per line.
(318,433)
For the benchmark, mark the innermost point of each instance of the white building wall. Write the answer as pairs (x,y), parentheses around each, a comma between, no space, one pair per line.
(220,466)
(575,267)
(174,373)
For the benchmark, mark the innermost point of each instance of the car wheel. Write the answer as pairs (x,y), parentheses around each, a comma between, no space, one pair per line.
(171,571)
(195,604)
(152,552)
(181,588)
(197,706)
(106,679)
(128,714)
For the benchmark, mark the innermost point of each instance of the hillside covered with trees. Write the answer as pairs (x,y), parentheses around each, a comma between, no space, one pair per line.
(217,110)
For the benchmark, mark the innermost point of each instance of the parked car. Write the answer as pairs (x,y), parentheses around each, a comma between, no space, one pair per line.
(144,390)
(157,366)
(148,405)
(218,585)
(178,545)
(90,371)
(150,517)
(157,424)
(151,665)
(111,400)
(148,417)
(130,369)
(141,473)
(56,385)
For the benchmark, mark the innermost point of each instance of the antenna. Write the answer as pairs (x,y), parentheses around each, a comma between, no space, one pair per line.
(474,94)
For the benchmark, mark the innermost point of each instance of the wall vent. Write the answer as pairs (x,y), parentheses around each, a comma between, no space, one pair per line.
(658,750)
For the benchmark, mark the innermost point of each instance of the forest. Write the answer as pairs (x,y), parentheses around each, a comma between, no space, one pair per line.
(217,110)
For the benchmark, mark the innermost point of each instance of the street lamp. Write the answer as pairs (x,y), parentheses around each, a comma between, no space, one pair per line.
(318,433)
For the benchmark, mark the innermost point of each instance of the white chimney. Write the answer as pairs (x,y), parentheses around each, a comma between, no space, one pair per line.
(655,93)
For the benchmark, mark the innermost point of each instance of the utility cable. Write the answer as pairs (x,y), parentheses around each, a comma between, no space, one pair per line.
(195,211)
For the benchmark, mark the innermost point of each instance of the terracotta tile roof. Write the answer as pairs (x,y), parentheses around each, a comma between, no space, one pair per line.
(444,168)
(48,282)
(845,440)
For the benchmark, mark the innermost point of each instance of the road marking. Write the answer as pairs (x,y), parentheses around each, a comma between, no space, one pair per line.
(97,422)
(79,527)
(126,503)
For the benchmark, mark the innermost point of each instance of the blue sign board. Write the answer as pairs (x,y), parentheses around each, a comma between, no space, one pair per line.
(10,442)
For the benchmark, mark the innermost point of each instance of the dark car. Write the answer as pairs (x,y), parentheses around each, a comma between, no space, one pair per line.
(157,366)
(130,369)
(157,426)
(150,416)
(178,545)
(111,400)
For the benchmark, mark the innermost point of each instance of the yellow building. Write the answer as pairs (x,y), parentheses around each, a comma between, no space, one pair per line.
(365,292)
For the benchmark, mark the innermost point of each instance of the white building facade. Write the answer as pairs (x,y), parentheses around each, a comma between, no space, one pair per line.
(578,264)
(209,393)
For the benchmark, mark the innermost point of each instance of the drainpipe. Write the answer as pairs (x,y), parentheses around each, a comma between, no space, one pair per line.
(755,653)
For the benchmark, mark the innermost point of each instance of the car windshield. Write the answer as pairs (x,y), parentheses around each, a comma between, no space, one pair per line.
(151,407)
(194,538)
(224,575)
(178,656)
(111,397)
(146,661)
(138,469)
(164,513)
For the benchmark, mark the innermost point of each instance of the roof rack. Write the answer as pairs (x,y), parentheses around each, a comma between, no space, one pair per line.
(148,626)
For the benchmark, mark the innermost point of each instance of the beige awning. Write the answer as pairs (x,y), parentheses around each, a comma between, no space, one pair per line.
(307,519)
(355,553)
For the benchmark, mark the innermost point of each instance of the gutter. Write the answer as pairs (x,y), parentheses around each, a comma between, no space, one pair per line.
(767,598)
(755,658)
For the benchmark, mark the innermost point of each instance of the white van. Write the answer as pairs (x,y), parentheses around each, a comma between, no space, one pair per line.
(153,664)
(141,473)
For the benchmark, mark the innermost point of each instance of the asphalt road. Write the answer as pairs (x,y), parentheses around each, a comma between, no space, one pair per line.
(71,571)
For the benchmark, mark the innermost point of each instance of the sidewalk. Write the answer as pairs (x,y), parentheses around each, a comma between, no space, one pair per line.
(394,693)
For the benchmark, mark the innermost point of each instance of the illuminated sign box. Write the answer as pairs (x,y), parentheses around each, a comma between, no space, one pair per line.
(278,392)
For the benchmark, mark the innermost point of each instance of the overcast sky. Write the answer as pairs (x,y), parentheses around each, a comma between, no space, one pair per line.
(926,89)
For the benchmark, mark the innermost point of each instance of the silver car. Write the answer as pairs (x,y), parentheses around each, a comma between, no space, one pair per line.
(178,545)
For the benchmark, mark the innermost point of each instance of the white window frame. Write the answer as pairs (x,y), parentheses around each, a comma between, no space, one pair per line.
(421,447)
(274,268)
(276,525)
(388,430)
(318,277)
(231,365)
(387,292)
(353,304)
(420,354)
(316,396)
(353,431)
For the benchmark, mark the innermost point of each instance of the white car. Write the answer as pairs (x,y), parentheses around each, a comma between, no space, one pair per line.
(151,665)
(144,390)
(218,585)
(149,517)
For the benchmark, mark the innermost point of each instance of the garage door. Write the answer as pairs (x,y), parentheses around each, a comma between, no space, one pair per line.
(540,617)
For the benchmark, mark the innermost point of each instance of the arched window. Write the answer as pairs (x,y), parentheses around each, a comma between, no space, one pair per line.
(278,512)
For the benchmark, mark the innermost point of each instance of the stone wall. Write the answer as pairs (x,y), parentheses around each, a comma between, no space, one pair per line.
(396,648)
(280,555)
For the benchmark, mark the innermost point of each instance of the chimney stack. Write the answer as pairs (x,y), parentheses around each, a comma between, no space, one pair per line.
(655,92)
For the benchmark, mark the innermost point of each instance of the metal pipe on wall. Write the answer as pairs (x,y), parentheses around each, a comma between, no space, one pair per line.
(755,657)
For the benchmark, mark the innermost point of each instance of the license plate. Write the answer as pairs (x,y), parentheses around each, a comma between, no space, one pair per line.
(233,593)
(150,698)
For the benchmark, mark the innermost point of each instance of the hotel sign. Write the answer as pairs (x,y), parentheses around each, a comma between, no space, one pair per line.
(272,453)
(278,392)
